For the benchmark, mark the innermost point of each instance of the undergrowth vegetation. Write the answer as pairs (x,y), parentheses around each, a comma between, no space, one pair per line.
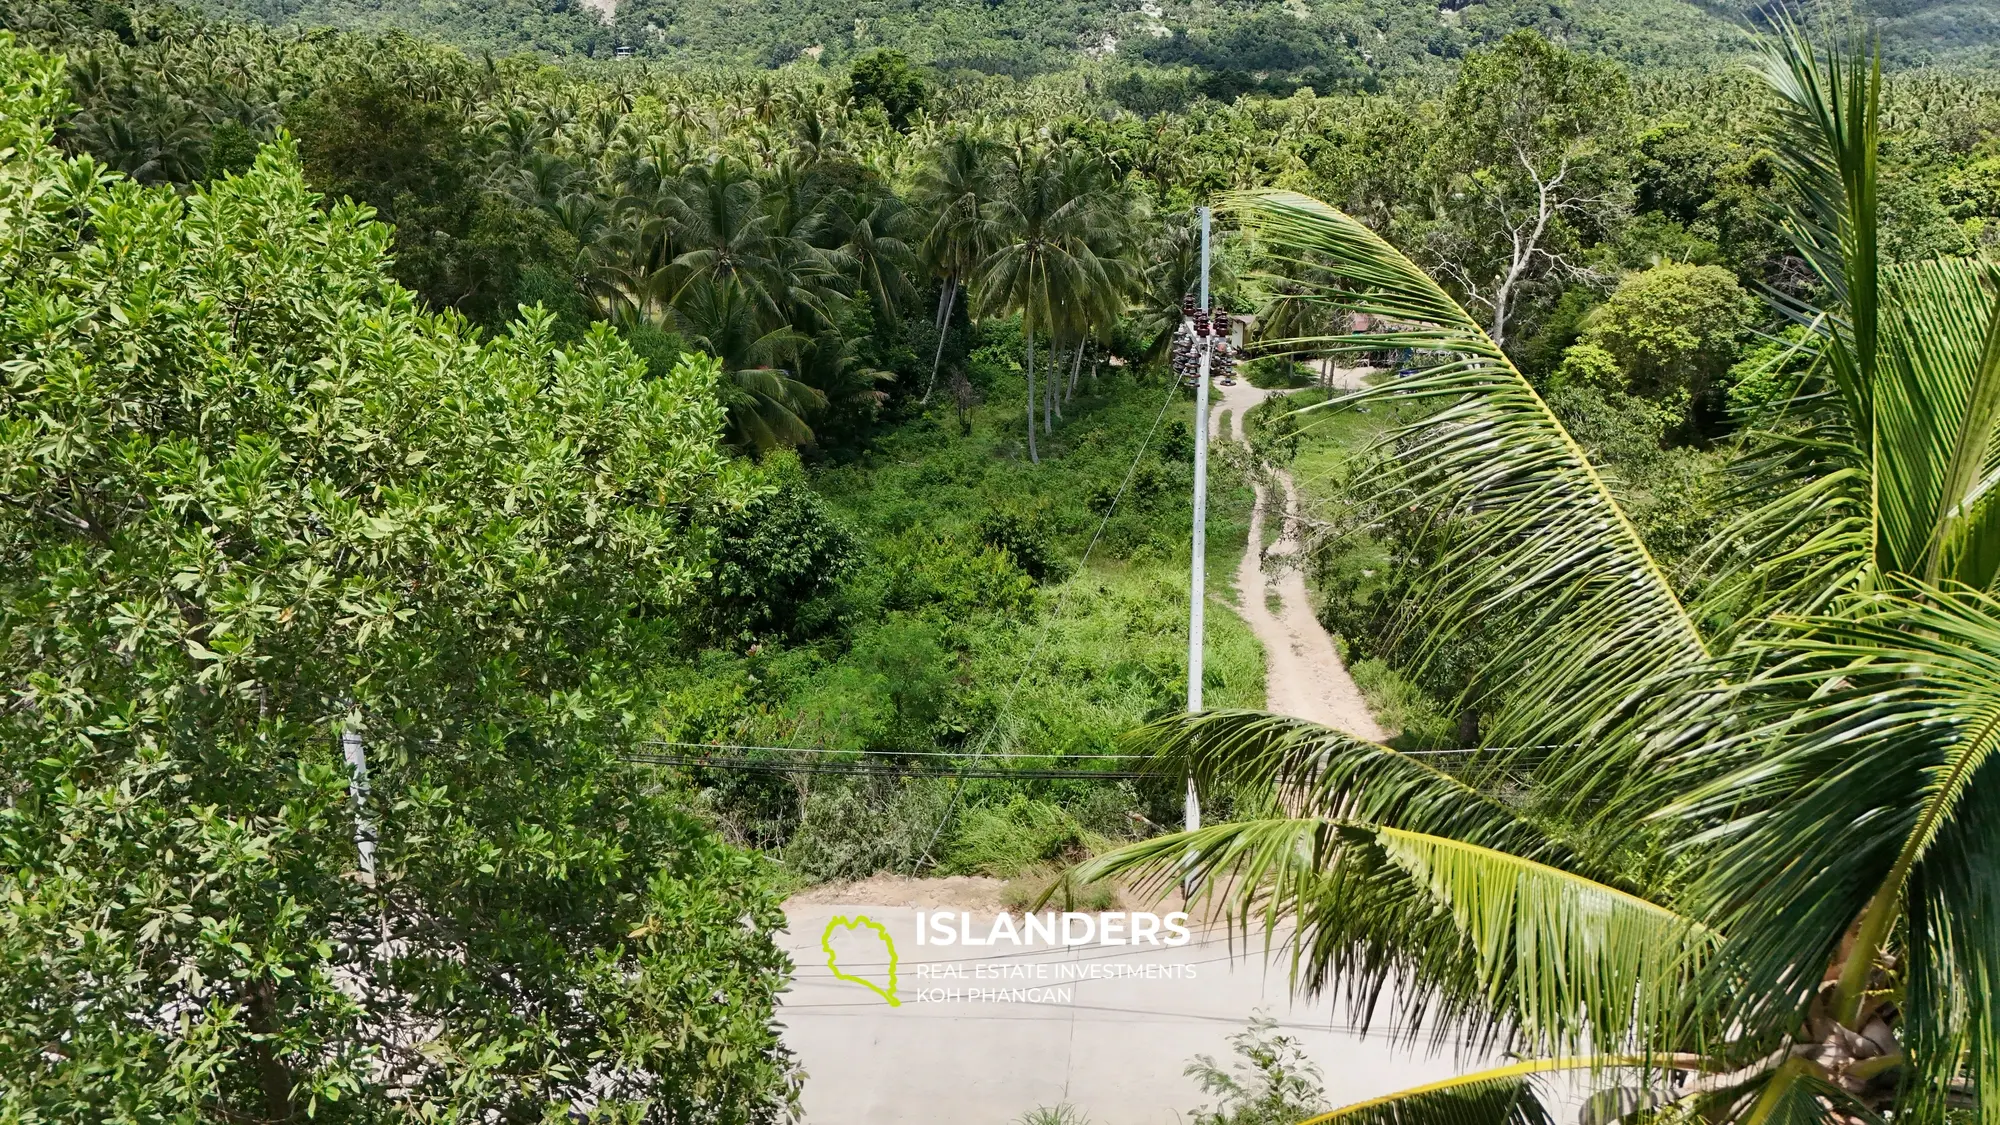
(962,618)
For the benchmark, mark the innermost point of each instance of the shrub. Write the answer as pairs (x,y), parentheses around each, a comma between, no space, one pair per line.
(1025,540)
(1061,1114)
(1277,372)
(852,828)
(1272,1082)
(1008,838)
(776,557)
(1423,723)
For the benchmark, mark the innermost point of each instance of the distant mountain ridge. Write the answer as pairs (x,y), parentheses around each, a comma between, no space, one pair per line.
(1251,43)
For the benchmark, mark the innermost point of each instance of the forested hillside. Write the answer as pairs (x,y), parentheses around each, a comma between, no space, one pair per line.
(1218,47)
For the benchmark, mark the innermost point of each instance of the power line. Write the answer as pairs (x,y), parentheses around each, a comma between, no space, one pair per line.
(966,769)
(895,753)
(885,769)
(1061,757)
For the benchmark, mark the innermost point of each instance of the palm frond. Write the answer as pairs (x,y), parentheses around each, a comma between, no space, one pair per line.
(1825,133)
(1475,939)
(1501,1096)
(1859,737)
(1346,917)
(1531,548)
(1317,770)
(1937,403)
(1835,508)
(1573,961)
(1950,1018)
(1798,1094)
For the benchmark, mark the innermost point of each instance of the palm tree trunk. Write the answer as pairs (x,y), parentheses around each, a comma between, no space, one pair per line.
(1033,457)
(944,323)
(1051,381)
(1056,396)
(1075,370)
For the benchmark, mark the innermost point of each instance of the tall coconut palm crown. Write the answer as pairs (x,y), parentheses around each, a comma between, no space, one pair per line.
(1804,734)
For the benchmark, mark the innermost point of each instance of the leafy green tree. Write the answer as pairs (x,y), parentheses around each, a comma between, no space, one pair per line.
(1973,192)
(841,364)
(776,556)
(1676,169)
(457,245)
(1732,854)
(252,500)
(1670,333)
(1534,155)
(886,79)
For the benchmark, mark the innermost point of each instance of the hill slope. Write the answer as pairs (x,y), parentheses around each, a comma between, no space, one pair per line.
(1326,43)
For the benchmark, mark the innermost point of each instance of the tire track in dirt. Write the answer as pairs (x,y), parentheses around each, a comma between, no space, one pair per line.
(1304,676)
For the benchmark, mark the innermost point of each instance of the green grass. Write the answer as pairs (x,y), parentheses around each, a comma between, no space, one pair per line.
(943,639)
(1022,893)
(1411,719)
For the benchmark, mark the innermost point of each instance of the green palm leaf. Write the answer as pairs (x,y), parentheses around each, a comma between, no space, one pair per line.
(1797,1093)
(1862,737)
(1320,771)
(1937,404)
(1573,961)
(1474,937)
(1825,133)
(1893,473)
(1531,545)
(1502,1096)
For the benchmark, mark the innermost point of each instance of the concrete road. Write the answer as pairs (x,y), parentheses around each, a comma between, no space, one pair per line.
(1107,1029)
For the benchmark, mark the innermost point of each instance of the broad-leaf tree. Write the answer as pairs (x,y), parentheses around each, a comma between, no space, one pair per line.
(1531,156)
(252,499)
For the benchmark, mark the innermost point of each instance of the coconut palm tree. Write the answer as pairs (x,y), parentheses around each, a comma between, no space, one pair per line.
(1747,871)
(768,406)
(953,196)
(1094,308)
(1046,265)
(720,218)
(873,252)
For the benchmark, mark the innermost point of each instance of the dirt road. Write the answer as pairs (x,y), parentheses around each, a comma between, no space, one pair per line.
(1304,676)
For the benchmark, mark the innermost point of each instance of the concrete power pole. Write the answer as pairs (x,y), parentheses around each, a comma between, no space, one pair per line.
(1198,580)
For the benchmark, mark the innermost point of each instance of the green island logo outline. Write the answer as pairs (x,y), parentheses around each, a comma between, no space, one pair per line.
(859,920)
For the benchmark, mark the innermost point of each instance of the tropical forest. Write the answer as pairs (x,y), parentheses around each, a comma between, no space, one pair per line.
(564,562)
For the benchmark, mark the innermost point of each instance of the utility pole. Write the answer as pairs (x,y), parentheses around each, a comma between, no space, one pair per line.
(1198,582)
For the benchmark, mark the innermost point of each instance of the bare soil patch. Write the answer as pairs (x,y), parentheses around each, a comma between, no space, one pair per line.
(953,892)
